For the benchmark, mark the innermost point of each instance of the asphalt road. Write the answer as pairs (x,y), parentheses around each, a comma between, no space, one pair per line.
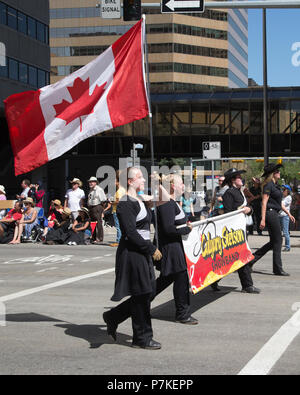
(54,297)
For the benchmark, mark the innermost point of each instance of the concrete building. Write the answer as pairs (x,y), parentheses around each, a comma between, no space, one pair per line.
(25,61)
(187,52)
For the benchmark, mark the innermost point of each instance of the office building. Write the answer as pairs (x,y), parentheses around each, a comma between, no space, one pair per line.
(187,52)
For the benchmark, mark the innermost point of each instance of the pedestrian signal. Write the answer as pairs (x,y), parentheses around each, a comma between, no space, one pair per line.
(132,10)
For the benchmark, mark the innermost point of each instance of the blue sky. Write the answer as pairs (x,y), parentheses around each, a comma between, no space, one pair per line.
(283,30)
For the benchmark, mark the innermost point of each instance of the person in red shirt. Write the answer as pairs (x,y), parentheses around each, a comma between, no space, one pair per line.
(7,224)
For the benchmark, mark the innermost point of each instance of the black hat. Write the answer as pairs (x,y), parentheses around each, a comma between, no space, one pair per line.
(271,168)
(231,173)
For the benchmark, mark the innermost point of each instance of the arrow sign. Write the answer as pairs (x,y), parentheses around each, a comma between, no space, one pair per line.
(183,6)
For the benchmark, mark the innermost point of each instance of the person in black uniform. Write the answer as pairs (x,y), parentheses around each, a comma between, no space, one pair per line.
(173,267)
(234,199)
(256,203)
(271,205)
(134,267)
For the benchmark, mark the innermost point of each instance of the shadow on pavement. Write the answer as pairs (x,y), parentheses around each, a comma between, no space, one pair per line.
(166,311)
(30,317)
(95,335)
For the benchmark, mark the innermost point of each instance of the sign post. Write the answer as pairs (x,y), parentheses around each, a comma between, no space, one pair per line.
(110,9)
(182,6)
(212,150)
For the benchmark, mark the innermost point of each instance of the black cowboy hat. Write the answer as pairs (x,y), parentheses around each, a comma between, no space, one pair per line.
(231,173)
(271,168)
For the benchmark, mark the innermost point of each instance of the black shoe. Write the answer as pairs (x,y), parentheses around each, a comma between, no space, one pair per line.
(111,327)
(152,345)
(286,249)
(282,273)
(215,287)
(188,321)
(251,290)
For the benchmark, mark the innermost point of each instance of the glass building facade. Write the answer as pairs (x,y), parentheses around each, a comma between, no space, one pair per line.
(181,122)
(187,52)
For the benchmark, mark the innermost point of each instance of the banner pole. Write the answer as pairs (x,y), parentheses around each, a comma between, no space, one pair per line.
(150,122)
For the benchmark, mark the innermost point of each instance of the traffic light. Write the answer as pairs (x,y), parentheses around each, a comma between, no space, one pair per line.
(279,161)
(237,161)
(132,10)
(259,160)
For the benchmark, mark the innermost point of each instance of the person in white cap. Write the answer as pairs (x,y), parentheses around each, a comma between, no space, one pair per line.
(74,198)
(2,197)
(96,201)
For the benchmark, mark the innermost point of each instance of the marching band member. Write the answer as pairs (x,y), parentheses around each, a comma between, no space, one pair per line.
(134,267)
(234,199)
(173,268)
(271,206)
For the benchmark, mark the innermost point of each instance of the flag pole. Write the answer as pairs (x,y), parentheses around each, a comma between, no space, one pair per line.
(150,120)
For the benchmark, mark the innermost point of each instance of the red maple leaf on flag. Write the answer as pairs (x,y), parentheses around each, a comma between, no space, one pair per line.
(82,102)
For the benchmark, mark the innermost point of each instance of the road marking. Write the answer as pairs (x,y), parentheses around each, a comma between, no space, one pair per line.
(46,270)
(270,353)
(53,285)
(92,259)
(40,260)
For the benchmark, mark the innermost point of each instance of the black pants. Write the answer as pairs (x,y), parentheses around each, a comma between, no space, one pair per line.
(138,308)
(96,215)
(275,243)
(257,215)
(180,291)
(245,276)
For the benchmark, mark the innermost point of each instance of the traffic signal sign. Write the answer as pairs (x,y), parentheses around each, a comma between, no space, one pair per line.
(132,10)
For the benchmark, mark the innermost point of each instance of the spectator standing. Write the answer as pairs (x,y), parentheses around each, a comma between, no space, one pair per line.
(96,201)
(74,198)
(216,205)
(120,191)
(25,185)
(186,202)
(284,218)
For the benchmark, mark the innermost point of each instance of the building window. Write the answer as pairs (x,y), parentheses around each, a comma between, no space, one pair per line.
(4,71)
(13,70)
(3,13)
(32,72)
(41,78)
(22,23)
(23,73)
(12,18)
(41,34)
(31,27)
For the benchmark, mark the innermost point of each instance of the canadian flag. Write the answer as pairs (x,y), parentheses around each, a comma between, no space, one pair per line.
(108,92)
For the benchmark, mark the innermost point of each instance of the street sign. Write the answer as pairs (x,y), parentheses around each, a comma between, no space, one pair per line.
(211,150)
(183,6)
(110,9)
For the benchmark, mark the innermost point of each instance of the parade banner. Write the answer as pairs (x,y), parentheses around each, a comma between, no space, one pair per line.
(215,248)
